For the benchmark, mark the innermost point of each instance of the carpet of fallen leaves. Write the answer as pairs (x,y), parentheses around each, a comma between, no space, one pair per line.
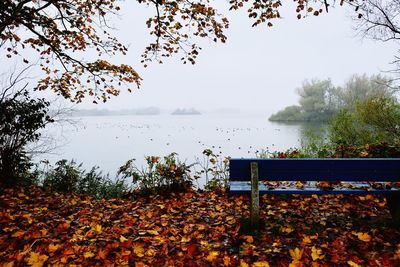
(194,229)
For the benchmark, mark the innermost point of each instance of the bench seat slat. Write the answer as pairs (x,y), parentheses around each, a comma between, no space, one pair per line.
(384,169)
(243,187)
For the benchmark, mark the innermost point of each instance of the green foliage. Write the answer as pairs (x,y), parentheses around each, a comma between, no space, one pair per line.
(64,177)
(316,146)
(70,177)
(21,118)
(215,168)
(316,100)
(290,113)
(360,88)
(320,100)
(160,175)
(373,121)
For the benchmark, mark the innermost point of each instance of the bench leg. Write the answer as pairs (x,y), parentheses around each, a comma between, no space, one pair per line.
(393,202)
(255,197)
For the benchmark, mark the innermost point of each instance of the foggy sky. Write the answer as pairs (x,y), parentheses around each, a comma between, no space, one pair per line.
(258,68)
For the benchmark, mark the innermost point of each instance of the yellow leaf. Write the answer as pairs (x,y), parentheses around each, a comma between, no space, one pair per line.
(36,260)
(8,264)
(88,254)
(122,238)
(363,236)
(152,232)
(73,202)
(306,240)
(53,247)
(296,254)
(243,263)
(150,252)
(260,264)
(316,254)
(185,239)
(28,217)
(98,228)
(287,230)
(138,250)
(353,264)
(174,211)
(212,256)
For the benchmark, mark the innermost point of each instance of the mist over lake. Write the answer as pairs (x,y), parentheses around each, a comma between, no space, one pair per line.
(109,141)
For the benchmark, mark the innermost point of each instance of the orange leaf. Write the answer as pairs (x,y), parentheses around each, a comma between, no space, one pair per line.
(53,247)
(363,236)
(248,238)
(212,256)
(260,264)
(296,254)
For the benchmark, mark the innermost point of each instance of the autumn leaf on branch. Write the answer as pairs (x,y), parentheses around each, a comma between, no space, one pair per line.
(176,26)
(59,32)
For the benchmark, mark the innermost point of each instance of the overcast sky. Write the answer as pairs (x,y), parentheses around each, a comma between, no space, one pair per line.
(258,68)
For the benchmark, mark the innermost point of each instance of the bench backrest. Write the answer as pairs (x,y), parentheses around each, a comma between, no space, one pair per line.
(327,169)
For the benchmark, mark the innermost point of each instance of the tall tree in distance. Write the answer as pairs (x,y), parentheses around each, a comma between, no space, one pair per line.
(320,100)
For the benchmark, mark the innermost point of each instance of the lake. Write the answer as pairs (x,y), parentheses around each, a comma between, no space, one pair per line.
(109,141)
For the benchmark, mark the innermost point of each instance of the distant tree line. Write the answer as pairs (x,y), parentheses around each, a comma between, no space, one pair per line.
(321,101)
(106,112)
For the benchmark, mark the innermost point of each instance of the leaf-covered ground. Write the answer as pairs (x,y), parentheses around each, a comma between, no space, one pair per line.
(194,229)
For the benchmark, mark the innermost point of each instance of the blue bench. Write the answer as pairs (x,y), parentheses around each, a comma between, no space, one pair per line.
(353,173)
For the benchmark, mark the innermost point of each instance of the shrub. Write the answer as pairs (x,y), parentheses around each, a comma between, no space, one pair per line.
(21,118)
(375,120)
(290,113)
(69,177)
(160,175)
(215,168)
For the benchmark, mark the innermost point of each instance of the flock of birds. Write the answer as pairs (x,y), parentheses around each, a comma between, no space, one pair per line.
(226,137)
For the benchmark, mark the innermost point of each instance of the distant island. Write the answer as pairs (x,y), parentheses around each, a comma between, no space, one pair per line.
(106,112)
(184,111)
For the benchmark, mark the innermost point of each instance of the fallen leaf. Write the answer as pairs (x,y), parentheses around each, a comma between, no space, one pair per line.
(138,250)
(152,232)
(212,256)
(306,240)
(353,264)
(36,260)
(248,238)
(122,239)
(316,254)
(296,254)
(88,254)
(363,236)
(260,264)
(53,247)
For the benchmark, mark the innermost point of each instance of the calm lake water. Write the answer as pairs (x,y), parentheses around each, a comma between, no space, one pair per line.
(109,141)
